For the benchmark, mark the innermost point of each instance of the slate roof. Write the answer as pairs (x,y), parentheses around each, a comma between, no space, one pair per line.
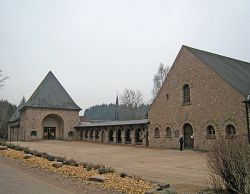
(112,123)
(15,116)
(51,94)
(235,72)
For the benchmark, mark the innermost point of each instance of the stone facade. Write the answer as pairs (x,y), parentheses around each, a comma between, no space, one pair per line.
(212,102)
(33,121)
(130,133)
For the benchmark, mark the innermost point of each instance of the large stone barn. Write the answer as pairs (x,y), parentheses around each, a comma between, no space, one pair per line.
(202,98)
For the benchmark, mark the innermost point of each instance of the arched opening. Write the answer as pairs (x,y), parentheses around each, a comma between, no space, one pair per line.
(128,136)
(96,134)
(110,135)
(71,134)
(168,132)
(230,130)
(210,130)
(188,136)
(119,136)
(138,136)
(102,136)
(53,127)
(157,132)
(146,136)
(33,133)
(91,133)
(86,134)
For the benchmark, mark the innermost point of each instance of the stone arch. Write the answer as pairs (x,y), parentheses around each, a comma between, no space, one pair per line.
(188,136)
(128,136)
(110,136)
(53,127)
(97,134)
(119,136)
(91,134)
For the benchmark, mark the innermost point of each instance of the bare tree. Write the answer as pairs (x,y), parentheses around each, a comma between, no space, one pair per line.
(2,79)
(131,99)
(159,78)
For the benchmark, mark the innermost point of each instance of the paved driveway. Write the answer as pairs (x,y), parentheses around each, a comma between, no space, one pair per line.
(183,170)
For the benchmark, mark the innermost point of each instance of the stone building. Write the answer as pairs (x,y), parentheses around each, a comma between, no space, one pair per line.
(50,113)
(201,98)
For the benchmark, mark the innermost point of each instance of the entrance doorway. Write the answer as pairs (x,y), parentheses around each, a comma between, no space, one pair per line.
(188,136)
(49,133)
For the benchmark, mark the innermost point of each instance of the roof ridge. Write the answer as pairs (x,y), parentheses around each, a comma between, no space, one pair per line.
(220,55)
(51,94)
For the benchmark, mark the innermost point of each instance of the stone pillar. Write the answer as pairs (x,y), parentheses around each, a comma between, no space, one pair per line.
(144,137)
(93,135)
(88,135)
(123,136)
(106,135)
(114,136)
(132,136)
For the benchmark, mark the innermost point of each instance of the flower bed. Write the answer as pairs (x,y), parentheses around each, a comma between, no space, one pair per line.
(79,171)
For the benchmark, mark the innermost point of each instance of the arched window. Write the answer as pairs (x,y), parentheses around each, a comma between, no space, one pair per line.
(230,130)
(186,93)
(210,130)
(33,133)
(71,133)
(168,132)
(157,132)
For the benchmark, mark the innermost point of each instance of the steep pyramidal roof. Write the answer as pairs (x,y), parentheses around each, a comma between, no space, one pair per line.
(51,94)
(235,72)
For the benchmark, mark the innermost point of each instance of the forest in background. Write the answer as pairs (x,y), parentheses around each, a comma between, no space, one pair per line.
(107,112)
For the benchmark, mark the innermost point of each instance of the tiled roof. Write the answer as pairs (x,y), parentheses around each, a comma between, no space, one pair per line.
(51,94)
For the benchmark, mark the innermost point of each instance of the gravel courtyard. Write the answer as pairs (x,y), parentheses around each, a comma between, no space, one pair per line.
(183,170)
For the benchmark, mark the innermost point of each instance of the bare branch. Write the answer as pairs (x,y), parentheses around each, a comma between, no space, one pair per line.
(2,79)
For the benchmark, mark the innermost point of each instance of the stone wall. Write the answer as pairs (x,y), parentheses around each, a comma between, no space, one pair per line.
(213,102)
(32,120)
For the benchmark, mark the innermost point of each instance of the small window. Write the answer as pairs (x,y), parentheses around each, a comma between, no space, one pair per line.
(33,133)
(176,133)
(230,130)
(157,132)
(168,132)
(71,133)
(167,96)
(186,93)
(210,130)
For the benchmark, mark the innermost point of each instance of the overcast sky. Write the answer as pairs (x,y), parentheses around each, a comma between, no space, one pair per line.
(97,48)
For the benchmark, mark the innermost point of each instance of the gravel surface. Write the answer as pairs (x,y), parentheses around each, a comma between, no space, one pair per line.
(18,179)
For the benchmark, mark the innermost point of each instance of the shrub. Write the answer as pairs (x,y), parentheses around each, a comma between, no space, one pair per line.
(45,155)
(71,162)
(229,164)
(88,167)
(27,150)
(60,159)
(102,170)
(19,148)
(51,158)
(37,153)
(123,174)
(96,166)
(85,164)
